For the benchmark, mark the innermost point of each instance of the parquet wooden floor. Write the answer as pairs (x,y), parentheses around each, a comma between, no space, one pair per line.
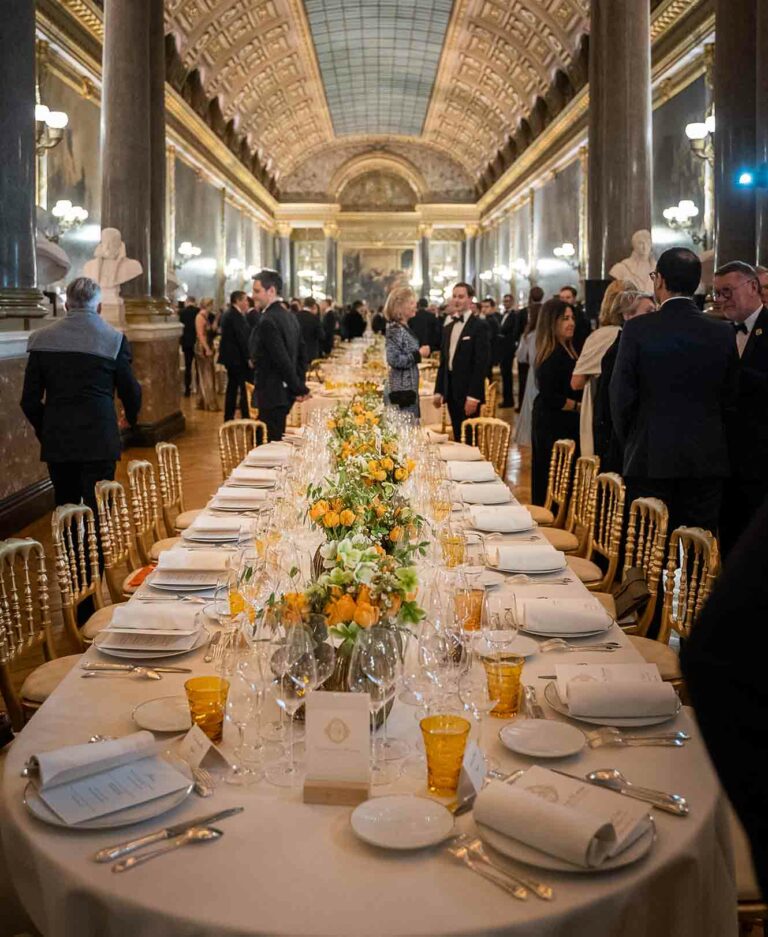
(198,448)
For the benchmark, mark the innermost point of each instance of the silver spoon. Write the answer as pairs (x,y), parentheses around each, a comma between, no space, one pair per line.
(198,834)
(613,778)
(560,644)
(145,672)
(613,732)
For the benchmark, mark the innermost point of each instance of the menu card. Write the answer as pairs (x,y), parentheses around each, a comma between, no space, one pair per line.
(337,745)
(562,816)
(82,782)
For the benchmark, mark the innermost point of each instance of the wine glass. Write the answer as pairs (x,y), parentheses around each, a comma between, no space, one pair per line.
(503,627)
(294,670)
(373,668)
(476,697)
(241,705)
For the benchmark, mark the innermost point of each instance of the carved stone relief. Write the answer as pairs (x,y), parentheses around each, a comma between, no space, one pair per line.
(377,191)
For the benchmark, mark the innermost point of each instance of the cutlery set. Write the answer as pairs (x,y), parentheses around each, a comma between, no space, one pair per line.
(132,670)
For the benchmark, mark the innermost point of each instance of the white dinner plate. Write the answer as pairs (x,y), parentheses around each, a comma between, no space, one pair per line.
(503,533)
(182,587)
(402,821)
(519,646)
(575,635)
(542,738)
(149,655)
(213,536)
(528,572)
(542,860)
(553,698)
(164,714)
(479,577)
(136,814)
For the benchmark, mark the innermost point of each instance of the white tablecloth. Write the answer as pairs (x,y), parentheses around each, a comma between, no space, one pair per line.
(286,868)
(429,412)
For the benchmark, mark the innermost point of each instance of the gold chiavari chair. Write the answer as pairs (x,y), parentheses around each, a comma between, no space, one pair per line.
(315,370)
(77,570)
(253,412)
(554,511)
(118,547)
(171,489)
(491,436)
(693,562)
(294,416)
(644,544)
(147,524)
(605,533)
(575,536)
(236,439)
(491,397)
(444,426)
(25,624)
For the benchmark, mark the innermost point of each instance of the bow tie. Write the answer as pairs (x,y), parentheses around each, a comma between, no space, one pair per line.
(740,327)
(458,318)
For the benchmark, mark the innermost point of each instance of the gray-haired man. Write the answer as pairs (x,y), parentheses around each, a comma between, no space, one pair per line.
(75,366)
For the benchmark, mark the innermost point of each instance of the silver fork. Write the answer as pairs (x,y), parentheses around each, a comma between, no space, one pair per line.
(462,854)
(204,783)
(475,846)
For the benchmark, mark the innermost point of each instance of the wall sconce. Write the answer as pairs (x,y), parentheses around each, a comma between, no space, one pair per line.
(701,138)
(486,276)
(50,127)
(521,268)
(233,268)
(186,251)
(69,216)
(680,218)
(567,253)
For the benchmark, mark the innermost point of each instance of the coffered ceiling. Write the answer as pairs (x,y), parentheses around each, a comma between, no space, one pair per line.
(452,77)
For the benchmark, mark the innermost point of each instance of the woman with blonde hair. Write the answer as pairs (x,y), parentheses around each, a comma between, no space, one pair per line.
(204,361)
(587,370)
(556,407)
(403,351)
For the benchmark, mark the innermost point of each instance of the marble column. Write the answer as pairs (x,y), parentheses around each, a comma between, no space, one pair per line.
(761,126)
(331,233)
(19,296)
(735,113)
(470,263)
(425,234)
(133,200)
(283,263)
(620,148)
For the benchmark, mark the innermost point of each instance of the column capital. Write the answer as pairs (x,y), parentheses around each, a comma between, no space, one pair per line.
(425,230)
(331,230)
(471,230)
(284,229)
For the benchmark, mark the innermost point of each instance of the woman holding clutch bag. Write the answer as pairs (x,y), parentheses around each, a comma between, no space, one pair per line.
(403,351)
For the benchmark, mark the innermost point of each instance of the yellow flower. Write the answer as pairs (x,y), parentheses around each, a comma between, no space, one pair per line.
(399,474)
(318,509)
(373,466)
(387,464)
(343,609)
(365,615)
(395,534)
(347,517)
(380,476)
(380,510)
(331,424)
(410,464)
(331,519)
(359,420)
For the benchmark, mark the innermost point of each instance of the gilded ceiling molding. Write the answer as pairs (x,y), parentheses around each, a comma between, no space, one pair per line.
(377,162)
(668,14)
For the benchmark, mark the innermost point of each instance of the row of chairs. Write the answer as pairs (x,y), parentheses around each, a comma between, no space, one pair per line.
(130,540)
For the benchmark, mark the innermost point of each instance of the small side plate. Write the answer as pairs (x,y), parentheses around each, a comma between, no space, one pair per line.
(542,738)
(402,821)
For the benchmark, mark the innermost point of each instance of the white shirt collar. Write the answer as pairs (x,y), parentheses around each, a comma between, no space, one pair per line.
(750,320)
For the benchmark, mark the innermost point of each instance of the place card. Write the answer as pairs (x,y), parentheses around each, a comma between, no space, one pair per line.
(337,744)
(196,748)
(473,772)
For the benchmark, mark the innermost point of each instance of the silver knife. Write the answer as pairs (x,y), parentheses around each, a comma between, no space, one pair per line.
(215,638)
(678,809)
(122,849)
(129,667)
(535,710)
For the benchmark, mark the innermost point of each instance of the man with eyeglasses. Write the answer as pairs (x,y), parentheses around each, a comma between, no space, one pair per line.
(739,299)
(675,377)
(762,275)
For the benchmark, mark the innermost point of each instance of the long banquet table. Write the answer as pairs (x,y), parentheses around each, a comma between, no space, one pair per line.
(287,868)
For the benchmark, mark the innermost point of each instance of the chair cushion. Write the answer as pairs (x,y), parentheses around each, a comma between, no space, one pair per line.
(654,652)
(747,888)
(586,570)
(98,621)
(186,519)
(44,679)
(166,544)
(541,516)
(607,601)
(561,539)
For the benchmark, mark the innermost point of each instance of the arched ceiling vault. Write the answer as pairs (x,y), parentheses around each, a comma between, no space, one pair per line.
(442,80)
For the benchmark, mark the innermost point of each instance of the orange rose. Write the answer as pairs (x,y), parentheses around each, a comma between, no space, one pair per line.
(331,424)
(342,610)
(337,504)
(366,615)
(387,464)
(395,534)
(399,474)
(373,466)
(364,595)
(380,476)
(380,510)
(347,518)
(331,519)
(359,420)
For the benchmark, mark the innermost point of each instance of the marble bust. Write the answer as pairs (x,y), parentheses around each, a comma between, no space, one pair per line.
(638,266)
(110,266)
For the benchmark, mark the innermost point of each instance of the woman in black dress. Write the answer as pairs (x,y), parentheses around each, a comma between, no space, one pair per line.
(556,408)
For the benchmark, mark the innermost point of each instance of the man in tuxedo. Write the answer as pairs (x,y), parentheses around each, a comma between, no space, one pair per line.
(738,298)
(465,355)
(492,317)
(277,350)
(187,341)
(311,329)
(426,326)
(508,337)
(233,354)
(331,325)
(674,380)
(353,324)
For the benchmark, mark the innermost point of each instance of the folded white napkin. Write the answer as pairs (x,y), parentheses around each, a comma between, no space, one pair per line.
(472,472)
(485,493)
(434,437)
(79,761)
(459,452)
(505,519)
(574,616)
(241,495)
(194,560)
(528,811)
(619,700)
(272,453)
(171,616)
(264,476)
(209,523)
(527,558)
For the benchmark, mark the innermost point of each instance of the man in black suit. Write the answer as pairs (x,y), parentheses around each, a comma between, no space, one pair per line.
(674,379)
(233,354)
(253,315)
(737,295)
(353,325)
(568,295)
(426,326)
(311,329)
(508,338)
(277,351)
(492,318)
(74,368)
(187,341)
(331,325)
(465,355)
